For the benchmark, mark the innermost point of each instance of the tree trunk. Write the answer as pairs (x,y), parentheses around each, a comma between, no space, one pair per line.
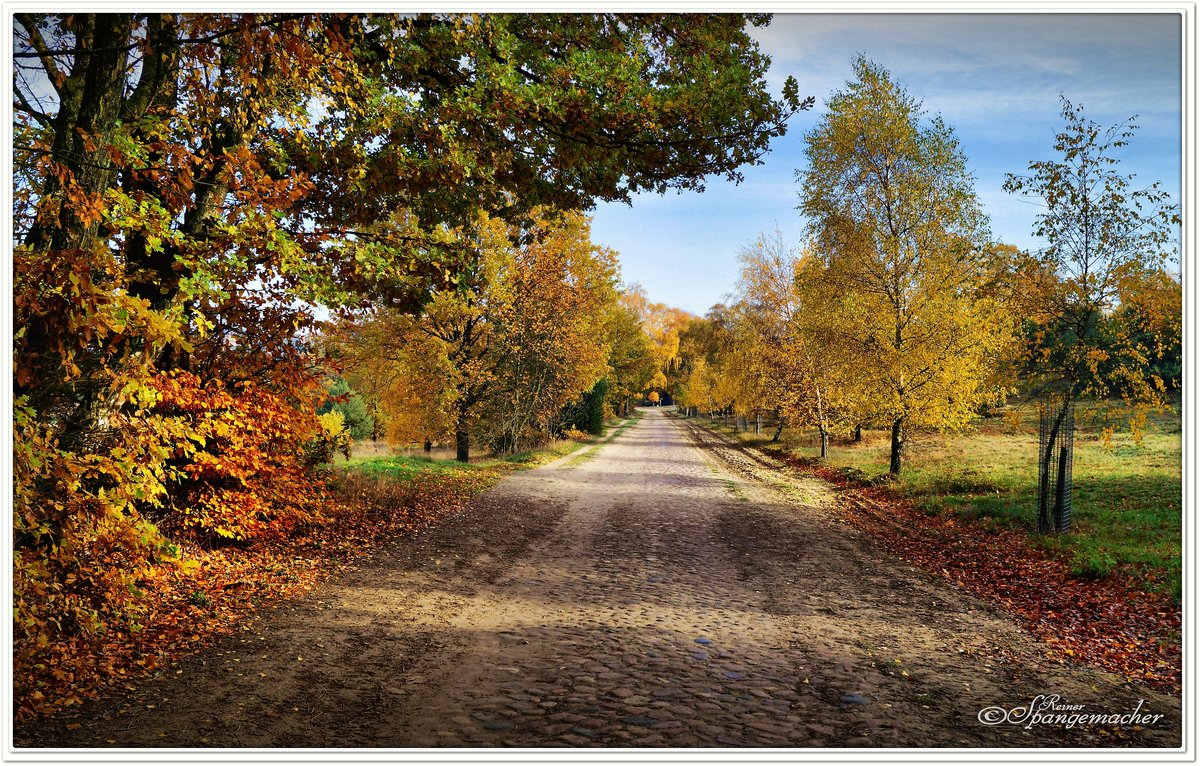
(376,426)
(1060,489)
(779,430)
(858,433)
(462,445)
(822,423)
(90,102)
(462,436)
(897,446)
(428,445)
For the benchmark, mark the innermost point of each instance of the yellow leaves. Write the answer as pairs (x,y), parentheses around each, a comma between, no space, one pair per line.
(1137,424)
(1106,436)
(526,326)
(1012,419)
(1095,357)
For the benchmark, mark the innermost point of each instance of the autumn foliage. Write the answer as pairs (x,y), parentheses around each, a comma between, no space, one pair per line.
(238,476)
(528,329)
(172,610)
(898,312)
(192,191)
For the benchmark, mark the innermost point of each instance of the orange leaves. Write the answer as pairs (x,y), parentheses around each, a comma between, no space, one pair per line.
(205,462)
(208,592)
(66,308)
(240,474)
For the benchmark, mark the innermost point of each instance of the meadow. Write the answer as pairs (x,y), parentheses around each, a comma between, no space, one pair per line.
(1128,496)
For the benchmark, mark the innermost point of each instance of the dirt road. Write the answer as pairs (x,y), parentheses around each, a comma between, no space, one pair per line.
(663,590)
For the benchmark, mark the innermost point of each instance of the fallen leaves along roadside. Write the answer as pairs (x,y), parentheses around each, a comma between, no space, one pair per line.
(1107,622)
(192,605)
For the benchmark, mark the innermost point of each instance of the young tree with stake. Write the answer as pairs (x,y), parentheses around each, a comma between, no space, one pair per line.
(1106,240)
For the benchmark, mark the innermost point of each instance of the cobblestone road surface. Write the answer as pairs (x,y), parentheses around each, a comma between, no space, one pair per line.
(663,590)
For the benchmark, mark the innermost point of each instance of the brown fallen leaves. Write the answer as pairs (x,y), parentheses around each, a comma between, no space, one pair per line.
(189,606)
(1109,622)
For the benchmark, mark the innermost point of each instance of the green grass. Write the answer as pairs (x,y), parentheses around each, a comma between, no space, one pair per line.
(1127,497)
(408,467)
(548,454)
(622,427)
(733,488)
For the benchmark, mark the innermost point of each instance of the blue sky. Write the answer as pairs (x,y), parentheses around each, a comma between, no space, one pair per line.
(994,78)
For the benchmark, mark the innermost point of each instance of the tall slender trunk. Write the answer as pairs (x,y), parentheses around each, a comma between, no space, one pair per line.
(822,423)
(858,433)
(897,445)
(779,430)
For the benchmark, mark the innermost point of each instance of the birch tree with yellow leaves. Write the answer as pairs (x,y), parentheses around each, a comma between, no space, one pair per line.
(786,321)
(893,210)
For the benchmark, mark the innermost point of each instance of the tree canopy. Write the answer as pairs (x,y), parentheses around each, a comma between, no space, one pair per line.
(194,192)
(1091,295)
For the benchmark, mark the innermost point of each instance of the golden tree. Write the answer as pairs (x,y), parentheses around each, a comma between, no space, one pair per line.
(499,355)
(549,312)
(893,208)
(663,326)
(793,360)
(631,366)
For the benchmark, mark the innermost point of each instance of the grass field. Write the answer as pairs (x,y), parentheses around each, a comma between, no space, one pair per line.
(1128,498)
(408,467)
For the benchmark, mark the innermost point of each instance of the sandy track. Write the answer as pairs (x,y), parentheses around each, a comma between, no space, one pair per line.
(666,590)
